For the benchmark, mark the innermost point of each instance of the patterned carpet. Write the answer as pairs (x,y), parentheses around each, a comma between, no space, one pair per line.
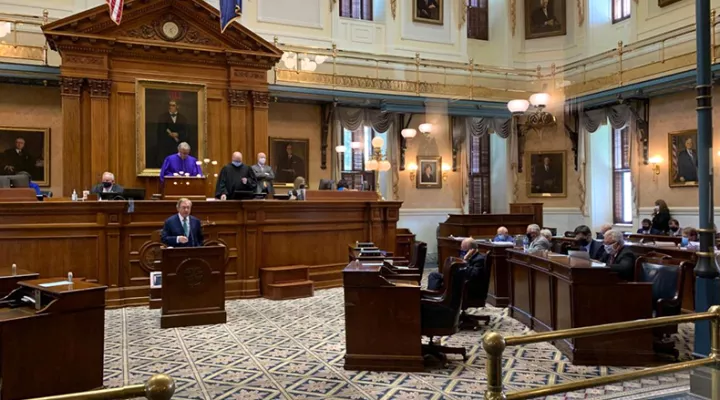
(294,350)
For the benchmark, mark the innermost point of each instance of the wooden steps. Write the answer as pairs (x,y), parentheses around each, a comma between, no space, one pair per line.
(288,282)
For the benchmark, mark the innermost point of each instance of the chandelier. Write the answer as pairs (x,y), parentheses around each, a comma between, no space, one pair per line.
(302,62)
(535,115)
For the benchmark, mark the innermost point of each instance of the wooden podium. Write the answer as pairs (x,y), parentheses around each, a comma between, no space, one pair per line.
(191,187)
(193,286)
(55,345)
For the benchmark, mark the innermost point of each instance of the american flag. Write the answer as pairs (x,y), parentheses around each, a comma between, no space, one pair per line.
(115,7)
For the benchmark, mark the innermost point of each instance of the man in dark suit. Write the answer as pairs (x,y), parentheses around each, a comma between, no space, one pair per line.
(428,9)
(585,242)
(107,185)
(289,166)
(182,230)
(543,18)
(172,130)
(687,163)
(17,159)
(619,257)
(475,264)
(545,178)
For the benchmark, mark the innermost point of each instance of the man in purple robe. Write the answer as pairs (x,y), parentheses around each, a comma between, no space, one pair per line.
(181,163)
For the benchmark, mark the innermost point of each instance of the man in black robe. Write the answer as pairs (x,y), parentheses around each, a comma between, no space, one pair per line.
(235,177)
(172,130)
(17,159)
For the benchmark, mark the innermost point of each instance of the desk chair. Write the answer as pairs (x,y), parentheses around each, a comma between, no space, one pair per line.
(476,291)
(668,278)
(440,313)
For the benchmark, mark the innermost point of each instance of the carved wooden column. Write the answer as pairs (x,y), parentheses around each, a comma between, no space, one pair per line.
(238,101)
(260,122)
(100,156)
(72,134)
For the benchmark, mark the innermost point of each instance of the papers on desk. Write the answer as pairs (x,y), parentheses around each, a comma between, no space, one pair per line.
(373,264)
(51,284)
(390,262)
(596,264)
(458,238)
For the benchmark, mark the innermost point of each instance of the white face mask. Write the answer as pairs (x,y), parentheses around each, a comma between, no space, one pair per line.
(261,161)
(657,208)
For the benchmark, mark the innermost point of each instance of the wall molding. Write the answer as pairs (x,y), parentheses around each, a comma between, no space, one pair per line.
(562,211)
(428,212)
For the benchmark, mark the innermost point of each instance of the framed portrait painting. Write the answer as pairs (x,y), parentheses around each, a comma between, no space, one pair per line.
(168,113)
(26,150)
(545,18)
(429,173)
(428,11)
(289,159)
(546,175)
(682,153)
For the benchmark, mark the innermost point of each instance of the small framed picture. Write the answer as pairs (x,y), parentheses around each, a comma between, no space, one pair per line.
(156,280)
(429,174)
(428,11)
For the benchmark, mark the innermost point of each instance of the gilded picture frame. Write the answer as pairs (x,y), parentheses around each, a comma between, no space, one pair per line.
(665,3)
(159,130)
(542,22)
(429,172)
(289,159)
(35,142)
(546,173)
(682,158)
(428,11)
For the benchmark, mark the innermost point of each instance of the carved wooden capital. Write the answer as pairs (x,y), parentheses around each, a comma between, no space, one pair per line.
(237,98)
(70,86)
(100,87)
(260,99)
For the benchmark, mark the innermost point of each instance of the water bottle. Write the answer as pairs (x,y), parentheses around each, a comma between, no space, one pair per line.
(74,196)
(70,277)
(14,269)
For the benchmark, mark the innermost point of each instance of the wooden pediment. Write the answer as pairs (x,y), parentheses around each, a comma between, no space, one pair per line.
(184,30)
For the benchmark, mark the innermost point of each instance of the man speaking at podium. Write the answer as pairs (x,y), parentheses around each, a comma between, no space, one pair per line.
(182,230)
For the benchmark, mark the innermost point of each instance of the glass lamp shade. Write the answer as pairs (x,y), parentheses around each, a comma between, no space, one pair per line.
(355,145)
(412,167)
(5,28)
(320,59)
(425,128)
(408,133)
(377,142)
(539,99)
(371,165)
(340,149)
(518,106)
(655,160)
(384,165)
(445,168)
(290,63)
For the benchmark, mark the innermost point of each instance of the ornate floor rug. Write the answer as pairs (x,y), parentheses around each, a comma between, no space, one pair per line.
(294,350)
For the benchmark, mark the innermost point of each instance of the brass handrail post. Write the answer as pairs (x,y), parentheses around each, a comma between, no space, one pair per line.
(712,36)
(494,345)
(334,56)
(620,56)
(715,335)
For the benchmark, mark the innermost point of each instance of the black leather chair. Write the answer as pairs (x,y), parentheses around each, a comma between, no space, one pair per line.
(476,291)
(440,311)
(417,259)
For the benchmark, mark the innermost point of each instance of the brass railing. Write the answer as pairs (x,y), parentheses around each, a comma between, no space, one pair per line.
(158,387)
(494,345)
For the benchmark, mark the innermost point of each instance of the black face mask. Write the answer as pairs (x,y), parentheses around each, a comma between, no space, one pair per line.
(107,184)
(674,228)
(646,228)
(301,187)
(583,242)
(530,237)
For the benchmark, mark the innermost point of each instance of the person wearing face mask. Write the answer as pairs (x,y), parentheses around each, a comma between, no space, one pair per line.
(503,236)
(235,177)
(107,185)
(690,238)
(475,264)
(619,257)
(264,175)
(181,163)
(660,218)
(298,190)
(536,241)
(584,241)
(675,228)
(645,227)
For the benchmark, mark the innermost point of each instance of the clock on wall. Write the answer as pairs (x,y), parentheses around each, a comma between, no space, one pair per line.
(171,30)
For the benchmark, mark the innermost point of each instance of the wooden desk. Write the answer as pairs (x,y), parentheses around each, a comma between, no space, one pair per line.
(56,349)
(9,282)
(561,292)
(382,321)
(105,243)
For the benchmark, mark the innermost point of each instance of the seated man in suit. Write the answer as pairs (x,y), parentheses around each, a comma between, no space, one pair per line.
(535,241)
(675,227)
(645,228)
(107,185)
(619,257)
(469,253)
(585,242)
(503,236)
(182,230)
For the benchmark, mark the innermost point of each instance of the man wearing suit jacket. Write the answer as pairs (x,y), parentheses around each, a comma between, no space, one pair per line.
(107,185)
(619,257)
(182,229)
(585,242)
(536,241)
(264,175)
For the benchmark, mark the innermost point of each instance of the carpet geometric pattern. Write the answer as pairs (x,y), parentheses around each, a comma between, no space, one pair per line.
(294,350)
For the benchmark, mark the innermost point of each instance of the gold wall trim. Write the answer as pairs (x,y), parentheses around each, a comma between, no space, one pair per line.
(34,53)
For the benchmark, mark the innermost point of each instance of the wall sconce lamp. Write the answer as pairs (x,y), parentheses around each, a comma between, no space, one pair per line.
(655,166)
(426,129)
(413,171)
(445,169)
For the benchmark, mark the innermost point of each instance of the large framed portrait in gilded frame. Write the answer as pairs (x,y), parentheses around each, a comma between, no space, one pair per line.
(26,150)
(545,18)
(546,174)
(290,159)
(168,113)
(682,153)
